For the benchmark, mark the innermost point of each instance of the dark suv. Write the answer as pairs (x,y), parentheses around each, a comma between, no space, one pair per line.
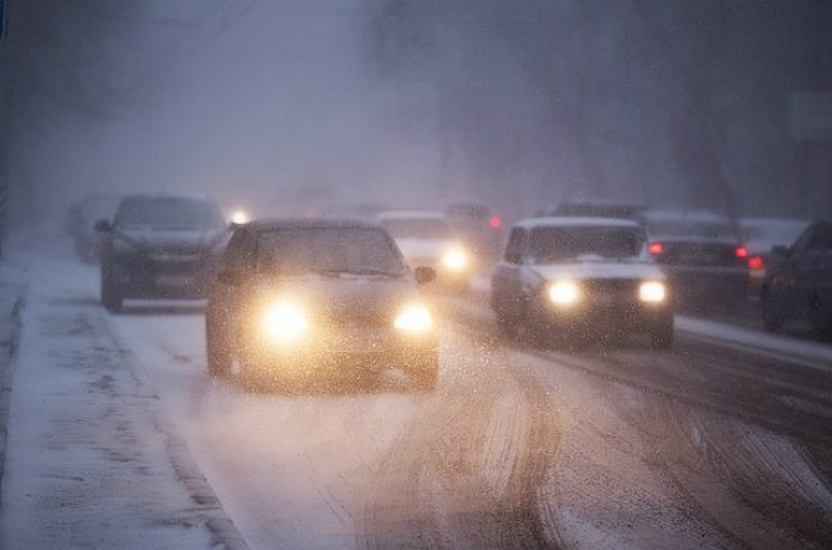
(798,286)
(306,301)
(160,247)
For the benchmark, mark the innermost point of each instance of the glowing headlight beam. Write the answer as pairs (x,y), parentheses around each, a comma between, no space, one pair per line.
(455,259)
(413,319)
(652,291)
(285,322)
(239,217)
(564,293)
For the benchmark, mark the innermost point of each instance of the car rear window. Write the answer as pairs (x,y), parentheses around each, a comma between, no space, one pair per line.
(301,250)
(691,228)
(168,213)
(414,228)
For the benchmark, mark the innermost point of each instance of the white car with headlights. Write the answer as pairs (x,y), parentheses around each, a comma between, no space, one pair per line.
(578,278)
(297,302)
(426,238)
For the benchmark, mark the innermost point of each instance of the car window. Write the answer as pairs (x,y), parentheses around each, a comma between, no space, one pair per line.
(168,213)
(413,228)
(301,250)
(516,244)
(691,228)
(556,243)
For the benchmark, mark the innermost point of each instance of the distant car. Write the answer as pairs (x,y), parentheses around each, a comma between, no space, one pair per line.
(578,278)
(703,256)
(479,228)
(798,284)
(426,238)
(301,301)
(160,247)
(81,220)
(760,235)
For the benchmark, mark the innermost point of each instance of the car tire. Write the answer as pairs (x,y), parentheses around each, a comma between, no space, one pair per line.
(507,327)
(662,335)
(426,376)
(111,298)
(772,321)
(820,318)
(219,357)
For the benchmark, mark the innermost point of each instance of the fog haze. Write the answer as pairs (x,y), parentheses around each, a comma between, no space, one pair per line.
(417,103)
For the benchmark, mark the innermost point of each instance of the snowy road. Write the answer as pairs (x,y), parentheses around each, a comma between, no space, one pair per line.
(710,444)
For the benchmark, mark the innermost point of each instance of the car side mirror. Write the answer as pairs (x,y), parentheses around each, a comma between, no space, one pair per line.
(103,226)
(514,258)
(229,277)
(424,274)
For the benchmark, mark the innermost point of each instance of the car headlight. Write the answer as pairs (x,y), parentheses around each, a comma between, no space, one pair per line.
(414,319)
(455,259)
(652,291)
(564,293)
(285,322)
(240,217)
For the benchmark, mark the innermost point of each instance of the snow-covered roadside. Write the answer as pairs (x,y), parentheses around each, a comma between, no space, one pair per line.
(91,460)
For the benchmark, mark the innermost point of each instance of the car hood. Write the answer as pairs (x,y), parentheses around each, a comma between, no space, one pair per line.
(599,269)
(172,241)
(347,296)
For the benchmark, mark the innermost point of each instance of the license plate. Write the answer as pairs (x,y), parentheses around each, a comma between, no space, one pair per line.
(360,342)
(173,280)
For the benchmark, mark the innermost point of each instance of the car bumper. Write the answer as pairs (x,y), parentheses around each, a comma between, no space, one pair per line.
(138,278)
(340,352)
(708,285)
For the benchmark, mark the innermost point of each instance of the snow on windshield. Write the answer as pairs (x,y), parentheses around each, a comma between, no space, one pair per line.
(554,243)
(327,249)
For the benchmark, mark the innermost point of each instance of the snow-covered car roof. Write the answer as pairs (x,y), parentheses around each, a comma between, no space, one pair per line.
(687,215)
(410,215)
(572,221)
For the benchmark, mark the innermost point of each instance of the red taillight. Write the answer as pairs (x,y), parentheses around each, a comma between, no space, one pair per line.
(655,248)
(755,262)
(741,252)
(495,222)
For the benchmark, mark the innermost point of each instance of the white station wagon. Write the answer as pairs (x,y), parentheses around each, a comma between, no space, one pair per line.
(576,278)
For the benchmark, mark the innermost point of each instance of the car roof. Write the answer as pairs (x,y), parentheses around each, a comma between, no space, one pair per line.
(690,215)
(410,215)
(576,221)
(274,224)
(189,196)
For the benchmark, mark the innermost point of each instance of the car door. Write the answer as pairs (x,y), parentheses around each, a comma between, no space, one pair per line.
(507,278)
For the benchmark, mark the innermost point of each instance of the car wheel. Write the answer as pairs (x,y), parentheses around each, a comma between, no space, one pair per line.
(820,318)
(110,297)
(772,320)
(219,357)
(426,376)
(507,327)
(662,335)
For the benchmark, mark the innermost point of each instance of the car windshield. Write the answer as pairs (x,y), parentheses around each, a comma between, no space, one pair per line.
(558,243)
(168,213)
(691,228)
(328,250)
(416,228)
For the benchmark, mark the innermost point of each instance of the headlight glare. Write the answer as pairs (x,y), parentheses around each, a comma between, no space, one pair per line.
(652,291)
(564,293)
(414,318)
(455,259)
(285,322)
